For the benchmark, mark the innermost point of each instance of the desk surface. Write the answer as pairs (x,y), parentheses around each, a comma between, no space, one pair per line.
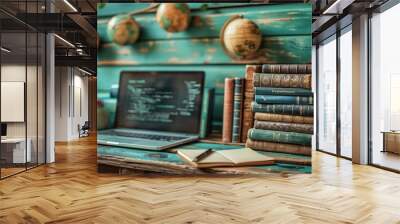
(13,140)
(390,132)
(169,159)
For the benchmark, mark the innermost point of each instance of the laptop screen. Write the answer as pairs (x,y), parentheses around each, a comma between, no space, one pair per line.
(160,101)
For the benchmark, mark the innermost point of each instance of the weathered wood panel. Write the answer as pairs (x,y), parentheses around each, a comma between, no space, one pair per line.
(273,20)
(286,29)
(214,78)
(106,9)
(283,49)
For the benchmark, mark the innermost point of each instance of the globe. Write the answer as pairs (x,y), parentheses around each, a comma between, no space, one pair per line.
(123,30)
(241,38)
(173,17)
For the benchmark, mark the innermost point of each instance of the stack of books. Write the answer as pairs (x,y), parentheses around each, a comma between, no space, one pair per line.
(233,110)
(283,109)
(238,96)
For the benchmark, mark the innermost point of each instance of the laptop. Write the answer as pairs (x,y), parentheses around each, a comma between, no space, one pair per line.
(156,110)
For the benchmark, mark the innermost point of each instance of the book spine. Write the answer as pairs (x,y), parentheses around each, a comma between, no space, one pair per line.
(280,137)
(282,91)
(206,114)
(278,147)
(282,80)
(237,109)
(302,110)
(295,100)
(228,111)
(282,126)
(247,121)
(287,68)
(283,118)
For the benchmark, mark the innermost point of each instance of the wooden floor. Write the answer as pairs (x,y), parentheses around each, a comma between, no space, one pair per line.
(71,191)
(386,159)
(5,172)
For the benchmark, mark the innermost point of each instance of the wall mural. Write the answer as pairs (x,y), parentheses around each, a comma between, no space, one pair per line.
(255,62)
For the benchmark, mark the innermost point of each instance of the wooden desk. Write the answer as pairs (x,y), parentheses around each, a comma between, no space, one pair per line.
(13,150)
(391,141)
(128,160)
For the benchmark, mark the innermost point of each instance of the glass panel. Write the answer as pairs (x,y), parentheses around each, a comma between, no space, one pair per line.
(13,86)
(31,98)
(385,92)
(346,94)
(23,81)
(314,78)
(77,113)
(42,91)
(327,96)
(32,87)
(41,98)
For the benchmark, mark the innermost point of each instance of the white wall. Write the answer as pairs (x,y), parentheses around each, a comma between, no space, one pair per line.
(33,127)
(12,73)
(71,94)
(81,83)
(61,103)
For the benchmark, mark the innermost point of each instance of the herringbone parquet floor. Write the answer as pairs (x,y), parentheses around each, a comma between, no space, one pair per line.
(71,191)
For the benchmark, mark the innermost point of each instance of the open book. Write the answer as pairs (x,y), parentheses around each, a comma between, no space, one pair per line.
(220,158)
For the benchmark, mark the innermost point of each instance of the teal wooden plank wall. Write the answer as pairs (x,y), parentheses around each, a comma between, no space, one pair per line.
(286,30)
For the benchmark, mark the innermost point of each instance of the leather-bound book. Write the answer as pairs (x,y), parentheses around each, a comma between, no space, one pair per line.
(247,118)
(237,109)
(287,68)
(283,118)
(282,80)
(278,147)
(282,91)
(301,110)
(283,126)
(280,137)
(274,99)
(228,111)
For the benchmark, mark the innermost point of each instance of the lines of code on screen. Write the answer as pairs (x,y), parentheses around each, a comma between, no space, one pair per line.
(160,101)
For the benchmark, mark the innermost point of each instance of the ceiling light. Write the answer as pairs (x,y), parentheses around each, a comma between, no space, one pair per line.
(65,41)
(70,5)
(5,49)
(331,7)
(337,7)
(84,71)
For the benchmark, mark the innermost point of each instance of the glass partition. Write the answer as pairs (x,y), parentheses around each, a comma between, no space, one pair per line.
(32,96)
(385,89)
(346,93)
(22,90)
(327,96)
(15,149)
(41,97)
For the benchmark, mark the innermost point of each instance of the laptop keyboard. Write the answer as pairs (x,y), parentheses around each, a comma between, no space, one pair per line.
(144,136)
